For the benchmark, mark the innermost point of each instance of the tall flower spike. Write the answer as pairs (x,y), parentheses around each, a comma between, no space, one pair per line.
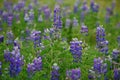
(115,54)
(55,72)
(84,29)
(35,36)
(7,55)
(57,18)
(116,74)
(76,50)
(99,69)
(34,67)
(10,37)
(16,62)
(102,43)
(1,38)
(73,74)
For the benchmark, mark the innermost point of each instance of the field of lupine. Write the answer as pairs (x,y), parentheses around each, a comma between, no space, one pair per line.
(54,40)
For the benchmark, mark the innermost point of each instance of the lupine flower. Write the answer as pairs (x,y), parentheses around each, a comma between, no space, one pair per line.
(116,74)
(35,66)
(94,7)
(84,29)
(7,55)
(37,63)
(99,66)
(75,7)
(76,50)
(75,22)
(10,19)
(47,12)
(16,44)
(31,15)
(68,23)
(10,37)
(30,69)
(115,54)
(16,62)
(73,74)
(99,69)
(55,72)
(1,38)
(35,36)
(0,68)
(102,43)
(57,18)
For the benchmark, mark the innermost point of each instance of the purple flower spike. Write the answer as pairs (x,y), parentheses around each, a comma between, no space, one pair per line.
(1,38)
(116,74)
(10,37)
(76,50)
(115,54)
(84,29)
(55,72)
(102,43)
(34,67)
(36,37)
(68,23)
(73,74)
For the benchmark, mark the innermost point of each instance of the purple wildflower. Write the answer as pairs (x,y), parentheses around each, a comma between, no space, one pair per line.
(57,18)
(35,66)
(7,55)
(1,38)
(115,54)
(116,74)
(16,62)
(84,29)
(36,37)
(76,50)
(73,74)
(55,72)
(102,43)
(10,37)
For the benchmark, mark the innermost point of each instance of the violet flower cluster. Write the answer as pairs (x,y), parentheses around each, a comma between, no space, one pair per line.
(102,43)
(99,69)
(35,66)
(57,18)
(115,54)
(1,38)
(36,38)
(73,74)
(84,29)
(94,7)
(76,50)
(15,59)
(116,74)
(55,72)
(10,38)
